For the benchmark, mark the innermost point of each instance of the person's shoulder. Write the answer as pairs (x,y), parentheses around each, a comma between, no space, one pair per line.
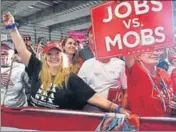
(19,65)
(118,61)
(18,68)
(89,61)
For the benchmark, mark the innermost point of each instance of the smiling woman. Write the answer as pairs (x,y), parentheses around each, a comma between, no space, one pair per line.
(70,56)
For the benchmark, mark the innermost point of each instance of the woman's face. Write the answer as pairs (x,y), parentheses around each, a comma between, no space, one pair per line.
(70,46)
(150,57)
(53,58)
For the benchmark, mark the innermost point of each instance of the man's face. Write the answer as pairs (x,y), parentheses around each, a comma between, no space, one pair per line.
(91,40)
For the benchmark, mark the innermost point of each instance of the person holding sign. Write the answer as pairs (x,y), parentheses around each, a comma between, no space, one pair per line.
(149,89)
(105,74)
(51,86)
(125,28)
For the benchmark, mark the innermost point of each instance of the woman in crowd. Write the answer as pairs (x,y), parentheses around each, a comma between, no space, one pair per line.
(51,86)
(70,55)
(149,89)
(28,41)
(13,80)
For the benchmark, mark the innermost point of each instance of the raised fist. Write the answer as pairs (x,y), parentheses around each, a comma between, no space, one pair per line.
(8,19)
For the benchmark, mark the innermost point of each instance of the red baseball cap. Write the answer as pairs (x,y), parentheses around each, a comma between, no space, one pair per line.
(51,45)
(7,44)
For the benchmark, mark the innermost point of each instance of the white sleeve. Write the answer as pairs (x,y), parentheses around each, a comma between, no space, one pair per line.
(83,72)
(123,77)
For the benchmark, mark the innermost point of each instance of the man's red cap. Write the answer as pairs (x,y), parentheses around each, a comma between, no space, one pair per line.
(51,45)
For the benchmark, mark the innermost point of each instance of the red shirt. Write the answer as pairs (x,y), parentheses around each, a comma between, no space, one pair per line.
(140,91)
(164,84)
(173,77)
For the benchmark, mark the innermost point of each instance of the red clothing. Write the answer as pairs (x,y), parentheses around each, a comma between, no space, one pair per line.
(140,90)
(173,78)
(164,83)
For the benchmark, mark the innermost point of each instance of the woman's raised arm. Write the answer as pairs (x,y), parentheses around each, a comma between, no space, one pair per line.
(9,21)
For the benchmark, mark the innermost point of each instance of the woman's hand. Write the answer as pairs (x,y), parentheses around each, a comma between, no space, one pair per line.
(8,19)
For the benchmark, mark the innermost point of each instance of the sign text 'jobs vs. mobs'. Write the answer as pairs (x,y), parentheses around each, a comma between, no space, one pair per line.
(128,27)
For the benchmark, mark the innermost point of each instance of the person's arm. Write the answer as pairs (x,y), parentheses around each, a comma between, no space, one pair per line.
(123,80)
(125,99)
(8,19)
(84,93)
(102,102)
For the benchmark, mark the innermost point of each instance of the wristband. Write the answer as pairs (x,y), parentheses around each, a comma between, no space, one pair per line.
(117,110)
(11,26)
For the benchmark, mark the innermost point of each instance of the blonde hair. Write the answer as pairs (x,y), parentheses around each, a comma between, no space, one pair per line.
(45,76)
(74,68)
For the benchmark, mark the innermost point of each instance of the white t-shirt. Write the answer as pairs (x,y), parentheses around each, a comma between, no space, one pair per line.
(102,76)
(15,94)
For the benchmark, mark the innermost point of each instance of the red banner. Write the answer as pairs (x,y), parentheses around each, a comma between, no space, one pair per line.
(77,35)
(132,26)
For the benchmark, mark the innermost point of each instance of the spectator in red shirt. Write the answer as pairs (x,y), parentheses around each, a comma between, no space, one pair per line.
(149,91)
(172,61)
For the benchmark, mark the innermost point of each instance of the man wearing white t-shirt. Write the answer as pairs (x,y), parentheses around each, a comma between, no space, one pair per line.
(104,74)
